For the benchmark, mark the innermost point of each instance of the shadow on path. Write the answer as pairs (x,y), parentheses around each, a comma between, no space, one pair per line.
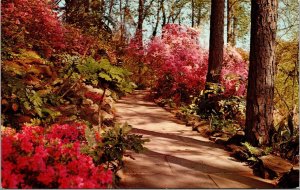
(176,157)
(178,137)
(208,169)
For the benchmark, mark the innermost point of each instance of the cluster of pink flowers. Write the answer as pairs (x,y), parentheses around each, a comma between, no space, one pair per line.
(178,54)
(49,158)
(234,73)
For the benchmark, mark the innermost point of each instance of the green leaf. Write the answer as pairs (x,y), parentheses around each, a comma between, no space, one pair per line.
(105,64)
(38,111)
(90,137)
(105,76)
(251,149)
(52,114)
(27,105)
(252,158)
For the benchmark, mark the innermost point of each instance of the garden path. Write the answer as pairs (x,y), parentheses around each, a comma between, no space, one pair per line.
(176,156)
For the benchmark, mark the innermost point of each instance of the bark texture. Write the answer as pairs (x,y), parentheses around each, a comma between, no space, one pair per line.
(139,29)
(216,41)
(232,21)
(139,36)
(157,19)
(229,22)
(193,12)
(260,92)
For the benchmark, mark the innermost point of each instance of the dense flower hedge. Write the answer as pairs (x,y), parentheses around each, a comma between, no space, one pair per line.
(180,64)
(37,157)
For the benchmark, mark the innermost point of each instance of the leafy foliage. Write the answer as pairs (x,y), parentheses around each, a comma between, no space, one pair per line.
(35,89)
(226,114)
(286,79)
(114,77)
(111,145)
(228,126)
(286,112)
(252,150)
(23,91)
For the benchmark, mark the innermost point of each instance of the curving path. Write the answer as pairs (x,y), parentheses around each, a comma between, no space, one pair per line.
(176,156)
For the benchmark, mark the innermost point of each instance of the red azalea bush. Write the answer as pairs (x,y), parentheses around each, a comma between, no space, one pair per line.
(93,96)
(180,65)
(35,24)
(40,158)
(31,23)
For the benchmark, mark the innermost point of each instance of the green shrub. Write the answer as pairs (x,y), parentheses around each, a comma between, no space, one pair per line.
(114,144)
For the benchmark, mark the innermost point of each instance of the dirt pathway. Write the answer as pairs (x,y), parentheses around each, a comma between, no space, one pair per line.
(176,156)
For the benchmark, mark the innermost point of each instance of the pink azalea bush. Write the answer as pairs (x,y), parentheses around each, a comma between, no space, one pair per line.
(37,157)
(180,64)
(234,73)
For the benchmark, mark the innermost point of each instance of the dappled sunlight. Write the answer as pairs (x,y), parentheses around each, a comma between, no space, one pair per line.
(178,138)
(175,150)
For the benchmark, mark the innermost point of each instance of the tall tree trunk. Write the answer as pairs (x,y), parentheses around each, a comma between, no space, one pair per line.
(176,16)
(232,6)
(260,92)
(139,29)
(171,11)
(139,36)
(122,21)
(298,55)
(234,31)
(102,8)
(111,5)
(86,6)
(122,24)
(193,13)
(157,19)
(164,14)
(229,22)
(70,8)
(216,41)
(199,15)
(147,9)
(120,10)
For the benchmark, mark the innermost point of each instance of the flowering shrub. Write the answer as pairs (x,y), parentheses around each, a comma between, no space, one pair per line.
(180,64)
(40,158)
(234,73)
(31,22)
